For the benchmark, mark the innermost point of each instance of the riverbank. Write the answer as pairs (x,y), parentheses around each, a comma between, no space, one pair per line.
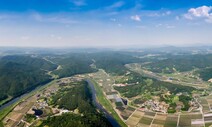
(106,104)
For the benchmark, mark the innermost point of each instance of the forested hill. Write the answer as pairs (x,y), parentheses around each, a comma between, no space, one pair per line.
(76,63)
(32,61)
(181,63)
(19,74)
(113,62)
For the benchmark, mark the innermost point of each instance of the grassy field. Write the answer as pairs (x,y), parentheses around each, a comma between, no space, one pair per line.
(106,104)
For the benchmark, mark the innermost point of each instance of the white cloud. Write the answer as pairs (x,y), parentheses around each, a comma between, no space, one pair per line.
(116,5)
(55,19)
(141,27)
(200,11)
(113,19)
(166,13)
(55,37)
(209,19)
(170,27)
(37,17)
(78,2)
(119,25)
(159,14)
(203,12)
(52,35)
(8,17)
(158,25)
(167,26)
(177,18)
(154,15)
(136,18)
(59,38)
(25,37)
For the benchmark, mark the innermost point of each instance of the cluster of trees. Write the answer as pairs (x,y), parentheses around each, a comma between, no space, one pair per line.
(205,73)
(18,74)
(181,63)
(29,117)
(185,100)
(78,97)
(72,98)
(73,120)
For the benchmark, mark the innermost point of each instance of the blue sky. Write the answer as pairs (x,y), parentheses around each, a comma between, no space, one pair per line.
(76,23)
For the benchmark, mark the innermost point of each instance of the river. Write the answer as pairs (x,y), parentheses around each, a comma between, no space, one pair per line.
(13,101)
(16,99)
(100,107)
(96,103)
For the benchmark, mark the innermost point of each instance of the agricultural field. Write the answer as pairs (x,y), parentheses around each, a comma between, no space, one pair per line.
(171,120)
(18,113)
(159,120)
(190,119)
(136,115)
(205,105)
(135,118)
(127,112)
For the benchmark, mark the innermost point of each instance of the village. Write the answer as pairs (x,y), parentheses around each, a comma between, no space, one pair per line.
(30,111)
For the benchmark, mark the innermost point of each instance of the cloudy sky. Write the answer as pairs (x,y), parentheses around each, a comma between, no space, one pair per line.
(75,23)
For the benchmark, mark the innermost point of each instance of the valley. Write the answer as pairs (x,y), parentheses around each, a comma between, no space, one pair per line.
(118,89)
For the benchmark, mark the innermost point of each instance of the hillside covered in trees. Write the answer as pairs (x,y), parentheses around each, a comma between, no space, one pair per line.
(205,73)
(79,97)
(19,74)
(181,63)
(113,62)
(73,64)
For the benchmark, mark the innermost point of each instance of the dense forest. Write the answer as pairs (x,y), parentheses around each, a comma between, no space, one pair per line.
(19,74)
(181,63)
(73,64)
(113,62)
(77,63)
(205,73)
(76,97)
(35,62)
(73,120)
